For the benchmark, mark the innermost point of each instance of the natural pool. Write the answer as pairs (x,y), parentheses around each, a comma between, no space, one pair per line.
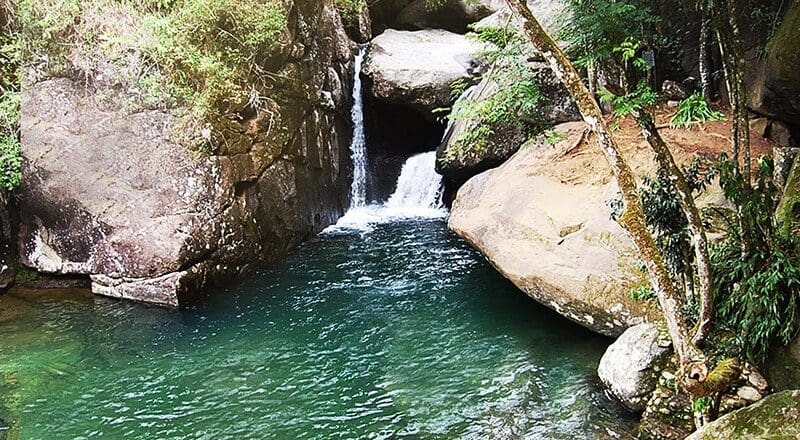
(401,331)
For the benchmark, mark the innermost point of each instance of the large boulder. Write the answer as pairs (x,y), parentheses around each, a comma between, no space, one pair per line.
(121,197)
(550,13)
(416,68)
(774,417)
(631,365)
(776,92)
(543,220)
(461,155)
(451,15)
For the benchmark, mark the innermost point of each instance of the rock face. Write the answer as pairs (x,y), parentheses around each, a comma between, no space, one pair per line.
(7,245)
(113,195)
(383,14)
(777,87)
(416,68)
(451,15)
(549,13)
(549,231)
(459,162)
(783,367)
(631,365)
(775,416)
(543,220)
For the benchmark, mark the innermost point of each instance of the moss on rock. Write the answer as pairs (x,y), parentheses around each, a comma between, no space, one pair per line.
(775,417)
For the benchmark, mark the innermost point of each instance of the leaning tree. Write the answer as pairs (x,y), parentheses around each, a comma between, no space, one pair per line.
(695,376)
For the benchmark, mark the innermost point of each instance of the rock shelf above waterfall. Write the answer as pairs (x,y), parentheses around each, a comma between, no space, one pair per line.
(416,68)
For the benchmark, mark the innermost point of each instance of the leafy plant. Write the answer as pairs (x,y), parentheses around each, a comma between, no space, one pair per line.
(596,28)
(666,218)
(640,98)
(757,278)
(702,405)
(10,150)
(513,103)
(642,293)
(350,9)
(695,110)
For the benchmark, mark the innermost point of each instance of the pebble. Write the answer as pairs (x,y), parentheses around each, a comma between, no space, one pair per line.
(748,393)
(758,381)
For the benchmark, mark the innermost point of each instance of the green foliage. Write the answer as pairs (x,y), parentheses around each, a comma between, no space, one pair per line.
(640,98)
(26,275)
(703,405)
(598,30)
(553,137)
(499,37)
(642,293)
(10,162)
(204,54)
(695,110)
(10,150)
(666,219)
(756,270)
(350,10)
(513,103)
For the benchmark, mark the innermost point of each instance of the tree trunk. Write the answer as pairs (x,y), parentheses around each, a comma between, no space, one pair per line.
(705,69)
(691,359)
(695,222)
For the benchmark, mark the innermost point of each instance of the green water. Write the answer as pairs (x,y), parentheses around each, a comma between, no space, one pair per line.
(401,332)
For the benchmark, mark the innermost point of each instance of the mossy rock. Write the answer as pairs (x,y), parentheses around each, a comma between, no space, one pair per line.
(775,417)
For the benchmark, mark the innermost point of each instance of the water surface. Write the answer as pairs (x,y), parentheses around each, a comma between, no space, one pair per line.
(401,331)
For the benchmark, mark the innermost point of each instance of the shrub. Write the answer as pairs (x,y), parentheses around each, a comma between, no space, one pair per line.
(204,54)
(10,58)
(513,105)
(349,10)
(695,110)
(756,270)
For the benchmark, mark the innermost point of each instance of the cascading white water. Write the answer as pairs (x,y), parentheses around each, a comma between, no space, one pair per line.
(419,186)
(358,146)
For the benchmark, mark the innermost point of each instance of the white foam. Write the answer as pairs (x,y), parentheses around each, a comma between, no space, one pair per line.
(418,195)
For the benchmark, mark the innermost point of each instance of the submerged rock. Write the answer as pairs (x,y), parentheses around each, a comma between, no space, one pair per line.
(120,196)
(773,417)
(631,365)
(416,68)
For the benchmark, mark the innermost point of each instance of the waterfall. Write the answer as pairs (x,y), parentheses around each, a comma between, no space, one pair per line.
(358,146)
(419,186)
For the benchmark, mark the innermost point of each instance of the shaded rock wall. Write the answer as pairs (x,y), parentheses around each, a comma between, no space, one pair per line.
(116,196)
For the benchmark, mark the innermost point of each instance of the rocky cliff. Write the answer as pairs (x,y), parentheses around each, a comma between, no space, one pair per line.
(127,195)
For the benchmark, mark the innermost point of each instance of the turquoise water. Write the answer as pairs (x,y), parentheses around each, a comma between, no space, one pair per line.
(400,332)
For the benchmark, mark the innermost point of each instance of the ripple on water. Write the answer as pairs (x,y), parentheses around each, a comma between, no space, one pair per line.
(397,332)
